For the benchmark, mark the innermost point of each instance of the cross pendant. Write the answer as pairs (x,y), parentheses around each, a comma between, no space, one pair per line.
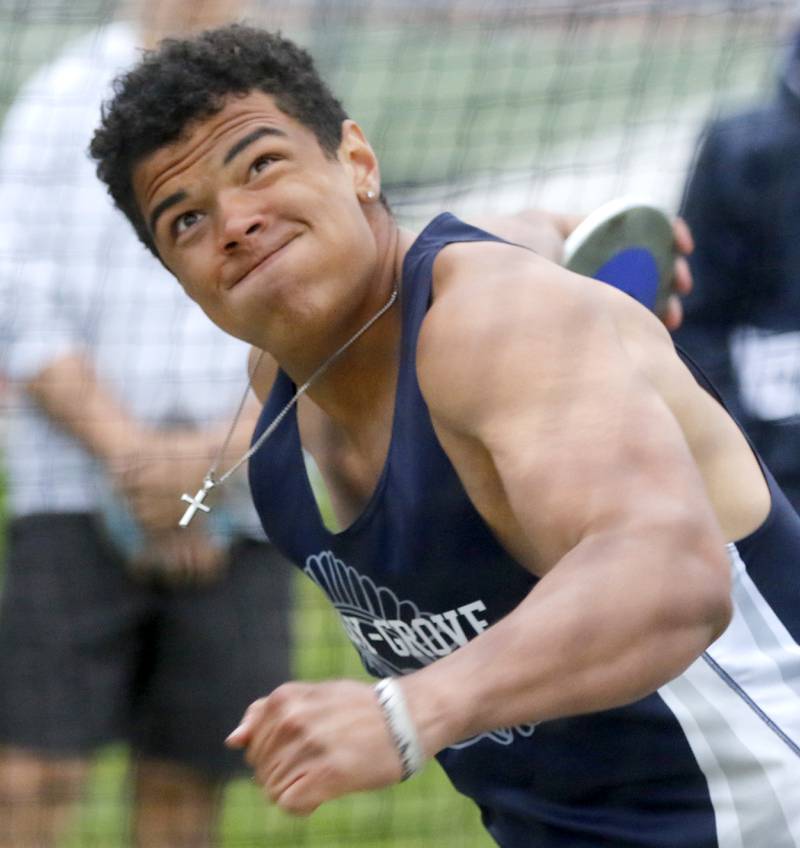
(196,502)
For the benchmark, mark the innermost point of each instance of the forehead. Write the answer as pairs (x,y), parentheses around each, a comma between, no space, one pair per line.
(209,139)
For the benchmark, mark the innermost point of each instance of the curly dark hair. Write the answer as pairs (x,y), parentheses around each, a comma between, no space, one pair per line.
(187,80)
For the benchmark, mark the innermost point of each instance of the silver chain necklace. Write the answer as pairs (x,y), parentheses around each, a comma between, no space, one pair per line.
(211,480)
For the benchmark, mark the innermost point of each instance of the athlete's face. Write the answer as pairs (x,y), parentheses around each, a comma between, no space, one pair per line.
(264,230)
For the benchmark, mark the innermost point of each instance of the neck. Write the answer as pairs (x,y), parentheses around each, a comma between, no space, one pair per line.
(362,378)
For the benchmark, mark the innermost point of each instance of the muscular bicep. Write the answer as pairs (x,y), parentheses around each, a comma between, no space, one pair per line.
(556,433)
(604,454)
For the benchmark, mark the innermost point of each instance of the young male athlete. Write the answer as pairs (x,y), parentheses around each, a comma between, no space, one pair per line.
(577,582)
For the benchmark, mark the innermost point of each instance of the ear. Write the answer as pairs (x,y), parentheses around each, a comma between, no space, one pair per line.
(356,154)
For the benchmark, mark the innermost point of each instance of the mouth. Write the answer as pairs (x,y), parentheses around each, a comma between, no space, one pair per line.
(263,262)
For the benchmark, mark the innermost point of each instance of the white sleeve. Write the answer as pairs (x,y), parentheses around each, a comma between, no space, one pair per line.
(42,160)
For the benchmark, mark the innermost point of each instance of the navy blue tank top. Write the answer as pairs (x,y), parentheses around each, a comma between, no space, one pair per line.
(419,573)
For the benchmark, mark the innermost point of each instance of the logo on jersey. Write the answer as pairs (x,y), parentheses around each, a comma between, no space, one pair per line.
(393,636)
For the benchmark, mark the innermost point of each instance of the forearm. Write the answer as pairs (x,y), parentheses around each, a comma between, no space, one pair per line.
(610,624)
(69,392)
(176,460)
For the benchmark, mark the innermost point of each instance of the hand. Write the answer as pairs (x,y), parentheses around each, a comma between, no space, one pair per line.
(180,557)
(672,315)
(158,470)
(311,742)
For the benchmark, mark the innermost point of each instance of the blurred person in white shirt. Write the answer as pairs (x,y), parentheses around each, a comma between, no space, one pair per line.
(114,623)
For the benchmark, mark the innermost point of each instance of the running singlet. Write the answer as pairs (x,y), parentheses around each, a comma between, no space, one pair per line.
(711,760)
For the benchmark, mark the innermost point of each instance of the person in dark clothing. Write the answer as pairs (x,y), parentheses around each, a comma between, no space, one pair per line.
(742,321)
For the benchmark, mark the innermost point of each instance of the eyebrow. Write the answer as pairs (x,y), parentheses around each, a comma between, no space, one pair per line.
(236,149)
(255,135)
(176,197)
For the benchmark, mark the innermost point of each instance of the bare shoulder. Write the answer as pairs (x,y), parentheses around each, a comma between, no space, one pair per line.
(501,314)
(514,344)
(489,284)
(492,281)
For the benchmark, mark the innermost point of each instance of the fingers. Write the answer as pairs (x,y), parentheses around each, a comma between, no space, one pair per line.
(672,315)
(181,558)
(681,276)
(277,747)
(684,242)
(301,797)
(241,735)
(160,470)
(203,561)
(278,728)
(157,511)
(672,312)
(310,743)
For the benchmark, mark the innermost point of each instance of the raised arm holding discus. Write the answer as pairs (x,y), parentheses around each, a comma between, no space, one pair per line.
(537,546)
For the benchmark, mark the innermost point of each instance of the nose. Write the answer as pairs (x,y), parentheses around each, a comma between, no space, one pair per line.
(239,223)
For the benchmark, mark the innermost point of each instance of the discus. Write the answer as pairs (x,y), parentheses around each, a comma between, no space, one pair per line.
(629,244)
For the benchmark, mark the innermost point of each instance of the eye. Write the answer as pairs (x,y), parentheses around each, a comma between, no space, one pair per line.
(185,222)
(261,163)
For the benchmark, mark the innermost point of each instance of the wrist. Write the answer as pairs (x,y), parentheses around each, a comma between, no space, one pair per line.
(436,715)
(400,725)
(119,445)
